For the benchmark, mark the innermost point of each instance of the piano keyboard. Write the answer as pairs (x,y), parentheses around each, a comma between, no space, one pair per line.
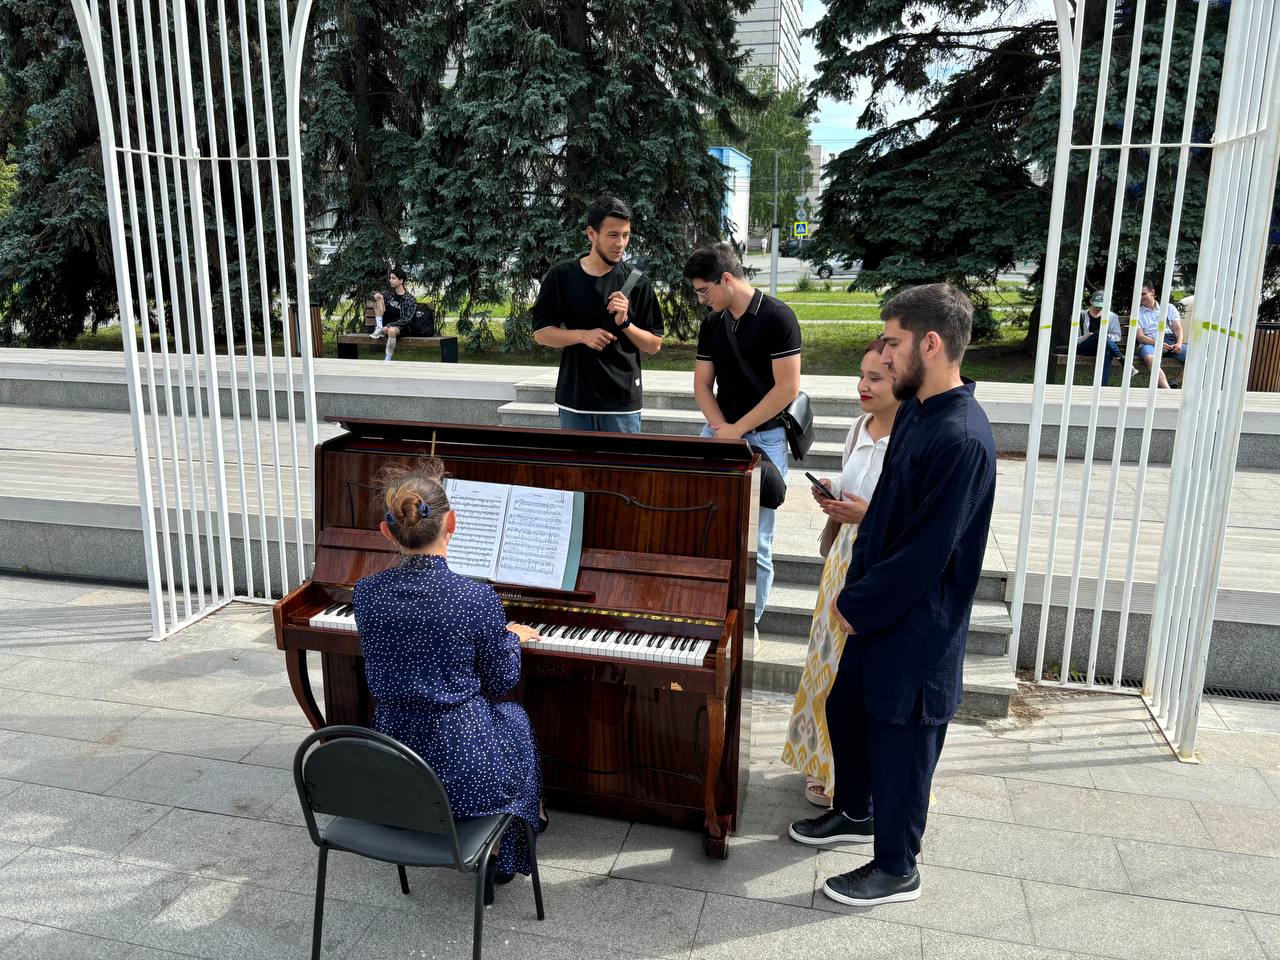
(623,644)
(598,642)
(336,616)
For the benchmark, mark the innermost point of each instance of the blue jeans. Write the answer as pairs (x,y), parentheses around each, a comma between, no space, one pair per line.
(1088,347)
(1145,350)
(600,422)
(774,444)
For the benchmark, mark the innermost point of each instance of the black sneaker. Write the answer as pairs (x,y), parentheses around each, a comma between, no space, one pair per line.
(869,885)
(834,826)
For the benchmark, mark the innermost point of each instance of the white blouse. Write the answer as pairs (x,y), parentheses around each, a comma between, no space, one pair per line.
(863,460)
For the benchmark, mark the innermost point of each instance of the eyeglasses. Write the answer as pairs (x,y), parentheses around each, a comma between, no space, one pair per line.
(703,291)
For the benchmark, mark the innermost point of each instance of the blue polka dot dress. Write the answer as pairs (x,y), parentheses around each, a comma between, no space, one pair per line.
(438,655)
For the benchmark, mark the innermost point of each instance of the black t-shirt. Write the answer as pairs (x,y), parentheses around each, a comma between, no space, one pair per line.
(596,381)
(768,331)
(414,319)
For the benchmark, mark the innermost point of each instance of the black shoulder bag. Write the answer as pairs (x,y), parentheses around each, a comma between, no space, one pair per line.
(797,419)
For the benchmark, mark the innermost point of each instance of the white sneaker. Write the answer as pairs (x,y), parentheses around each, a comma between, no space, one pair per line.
(377,334)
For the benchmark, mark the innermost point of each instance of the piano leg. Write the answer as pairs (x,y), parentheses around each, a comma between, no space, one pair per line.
(295,665)
(715,840)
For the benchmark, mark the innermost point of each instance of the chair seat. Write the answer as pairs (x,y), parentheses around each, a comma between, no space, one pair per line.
(412,847)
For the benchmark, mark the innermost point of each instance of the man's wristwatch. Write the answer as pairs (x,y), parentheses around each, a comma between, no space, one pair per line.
(624,324)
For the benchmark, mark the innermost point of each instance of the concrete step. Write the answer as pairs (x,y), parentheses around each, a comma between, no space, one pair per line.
(663,397)
(802,569)
(989,683)
(790,616)
(825,454)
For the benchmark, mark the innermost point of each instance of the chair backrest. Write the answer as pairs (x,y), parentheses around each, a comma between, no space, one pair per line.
(365,775)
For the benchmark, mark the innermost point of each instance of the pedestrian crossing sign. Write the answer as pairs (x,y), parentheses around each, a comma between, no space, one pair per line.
(800,228)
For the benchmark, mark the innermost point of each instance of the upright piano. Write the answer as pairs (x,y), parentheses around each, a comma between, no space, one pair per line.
(636,691)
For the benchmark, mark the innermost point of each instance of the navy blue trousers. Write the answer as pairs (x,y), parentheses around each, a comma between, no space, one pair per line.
(882,769)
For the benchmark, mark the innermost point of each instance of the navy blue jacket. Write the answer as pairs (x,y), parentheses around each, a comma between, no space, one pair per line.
(918,558)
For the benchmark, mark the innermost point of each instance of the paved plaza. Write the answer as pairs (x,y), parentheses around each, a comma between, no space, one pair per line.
(147,812)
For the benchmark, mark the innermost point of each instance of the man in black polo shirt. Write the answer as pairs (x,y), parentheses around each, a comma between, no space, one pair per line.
(600,330)
(768,341)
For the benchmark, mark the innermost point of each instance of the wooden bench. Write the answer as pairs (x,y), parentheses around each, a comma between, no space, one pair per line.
(1169,366)
(349,344)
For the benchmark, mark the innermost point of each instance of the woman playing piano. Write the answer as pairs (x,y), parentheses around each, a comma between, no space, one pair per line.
(439,654)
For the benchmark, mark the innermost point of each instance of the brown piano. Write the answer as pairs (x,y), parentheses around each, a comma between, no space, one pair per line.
(636,694)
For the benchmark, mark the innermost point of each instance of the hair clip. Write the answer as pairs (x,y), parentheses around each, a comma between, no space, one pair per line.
(424,509)
(391,520)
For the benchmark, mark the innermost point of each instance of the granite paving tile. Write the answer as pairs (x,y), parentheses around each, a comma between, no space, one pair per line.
(231,921)
(1213,877)
(1267,929)
(940,945)
(89,895)
(581,843)
(732,928)
(49,943)
(197,783)
(84,823)
(1137,928)
(1106,813)
(961,901)
(1032,853)
(75,764)
(69,717)
(193,734)
(757,868)
(1240,829)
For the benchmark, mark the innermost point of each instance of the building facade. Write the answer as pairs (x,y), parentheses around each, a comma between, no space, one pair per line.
(770,33)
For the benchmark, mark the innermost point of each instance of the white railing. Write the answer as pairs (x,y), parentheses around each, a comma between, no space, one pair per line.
(219,494)
(1238,207)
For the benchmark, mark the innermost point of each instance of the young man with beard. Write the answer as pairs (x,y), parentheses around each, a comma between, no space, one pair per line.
(601,330)
(906,600)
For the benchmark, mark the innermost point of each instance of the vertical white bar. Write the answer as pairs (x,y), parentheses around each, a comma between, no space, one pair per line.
(268,348)
(1101,357)
(233,163)
(90,33)
(161,148)
(293,97)
(139,267)
(1066,113)
(145,162)
(197,453)
(195,178)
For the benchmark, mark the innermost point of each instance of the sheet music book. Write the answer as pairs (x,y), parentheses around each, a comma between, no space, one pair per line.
(530,536)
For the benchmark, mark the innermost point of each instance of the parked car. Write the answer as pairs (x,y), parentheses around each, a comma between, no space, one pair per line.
(845,269)
(789,246)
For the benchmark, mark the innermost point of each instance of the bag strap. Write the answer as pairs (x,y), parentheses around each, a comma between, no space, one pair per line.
(737,353)
(632,279)
(854,434)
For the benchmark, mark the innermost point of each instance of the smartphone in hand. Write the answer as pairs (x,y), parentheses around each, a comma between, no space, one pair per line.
(820,487)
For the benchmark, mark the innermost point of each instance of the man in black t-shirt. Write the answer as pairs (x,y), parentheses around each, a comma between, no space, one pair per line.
(767,336)
(398,313)
(600,331)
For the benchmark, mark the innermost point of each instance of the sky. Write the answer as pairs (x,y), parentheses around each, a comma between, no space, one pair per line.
(836,124)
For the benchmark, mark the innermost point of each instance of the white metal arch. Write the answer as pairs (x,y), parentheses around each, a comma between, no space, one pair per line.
(1245,152)
(153,87)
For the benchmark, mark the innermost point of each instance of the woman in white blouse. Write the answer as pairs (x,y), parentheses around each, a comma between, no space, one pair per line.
(808,747)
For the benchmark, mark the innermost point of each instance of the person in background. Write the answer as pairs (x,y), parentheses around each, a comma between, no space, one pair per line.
(440,659)
(601,331)
(1159,330)
(906,601)
(397,313)
(743,322)
(808,746)
(1088,343)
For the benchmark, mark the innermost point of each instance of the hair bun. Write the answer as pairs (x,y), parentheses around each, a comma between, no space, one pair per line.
(408,510)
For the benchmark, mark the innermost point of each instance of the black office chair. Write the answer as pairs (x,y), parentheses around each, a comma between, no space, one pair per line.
(389,805)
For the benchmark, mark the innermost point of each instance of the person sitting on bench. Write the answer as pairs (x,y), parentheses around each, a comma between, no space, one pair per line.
(396,313)
(1159,329)
(1088,345)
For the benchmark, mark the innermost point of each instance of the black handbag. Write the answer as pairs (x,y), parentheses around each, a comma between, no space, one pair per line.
(797,419)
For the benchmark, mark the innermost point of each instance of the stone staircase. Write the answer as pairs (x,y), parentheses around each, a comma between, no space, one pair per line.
(784,635)
(673,411)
